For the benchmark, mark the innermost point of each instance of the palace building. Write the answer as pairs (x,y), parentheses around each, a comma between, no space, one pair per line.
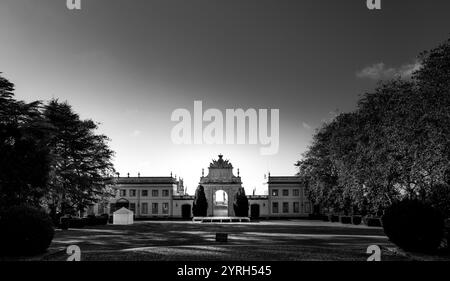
(165,197)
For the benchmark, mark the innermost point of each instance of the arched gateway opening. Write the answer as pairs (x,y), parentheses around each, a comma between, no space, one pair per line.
(220,187)
(220,204)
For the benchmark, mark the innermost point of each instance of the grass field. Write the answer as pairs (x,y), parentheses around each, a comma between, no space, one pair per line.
(283,240)
(265,240)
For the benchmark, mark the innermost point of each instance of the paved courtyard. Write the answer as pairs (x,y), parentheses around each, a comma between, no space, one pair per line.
(264,240)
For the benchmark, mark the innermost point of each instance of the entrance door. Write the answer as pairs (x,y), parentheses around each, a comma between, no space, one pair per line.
(254,210)
(186,211)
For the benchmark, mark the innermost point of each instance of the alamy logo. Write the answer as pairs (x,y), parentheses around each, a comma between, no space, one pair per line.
(213,133)
(73,4)
(374,4)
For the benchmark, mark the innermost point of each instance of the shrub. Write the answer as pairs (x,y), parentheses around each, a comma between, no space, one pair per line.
(25,231)
(90,220)
(373,221)
(200,205)
(414,226)
(325,218)
(356,220)
(334,218)
(102,219)
(76,223)
(346,219)
(64,223)
(240,204)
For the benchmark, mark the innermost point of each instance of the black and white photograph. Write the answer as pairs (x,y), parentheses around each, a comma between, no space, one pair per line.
(224,138)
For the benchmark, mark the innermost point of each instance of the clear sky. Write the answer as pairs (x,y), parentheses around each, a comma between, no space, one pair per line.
(129,64)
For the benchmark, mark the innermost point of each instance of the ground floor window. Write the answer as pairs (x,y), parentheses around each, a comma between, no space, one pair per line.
(285,207)
(101,208)
(133,207)
(165,208)
(144,208)
(275,207)
(154,208)
(296,207)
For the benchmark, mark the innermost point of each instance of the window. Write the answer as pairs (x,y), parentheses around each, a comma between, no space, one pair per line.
(123,192)
(274,192)
(165,208)
(101,208)
(155,193)
(144,193)
(285,192)
(275,207)
(154,208)
(296,207)
(285,207)
(144,208)
(132,192)
(296,192)
(133,207)
(165,193)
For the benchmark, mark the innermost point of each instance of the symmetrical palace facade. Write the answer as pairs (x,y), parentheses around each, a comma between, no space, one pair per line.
(165,197)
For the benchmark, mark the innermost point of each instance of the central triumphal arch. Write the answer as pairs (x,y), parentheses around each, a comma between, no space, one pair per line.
(220,178)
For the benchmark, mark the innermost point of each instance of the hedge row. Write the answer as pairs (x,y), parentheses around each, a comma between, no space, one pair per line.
(356,220)
(71,222)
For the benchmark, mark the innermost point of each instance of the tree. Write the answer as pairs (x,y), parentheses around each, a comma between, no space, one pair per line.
(82,160)
(200,205)
(240,204)
(24,154)
(395,144)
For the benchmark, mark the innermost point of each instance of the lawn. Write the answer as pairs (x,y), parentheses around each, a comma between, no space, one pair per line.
(256,241)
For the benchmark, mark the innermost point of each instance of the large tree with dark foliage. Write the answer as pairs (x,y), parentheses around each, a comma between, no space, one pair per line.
(396,144)
(200,205)
(24,154)
(240,203)
(49,156)
(81,159)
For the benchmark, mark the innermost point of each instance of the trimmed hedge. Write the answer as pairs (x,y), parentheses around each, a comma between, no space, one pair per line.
(373,221)
(346,219)
(91,220)
(356,220)
(414,226)
(25,231)
(333,218)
